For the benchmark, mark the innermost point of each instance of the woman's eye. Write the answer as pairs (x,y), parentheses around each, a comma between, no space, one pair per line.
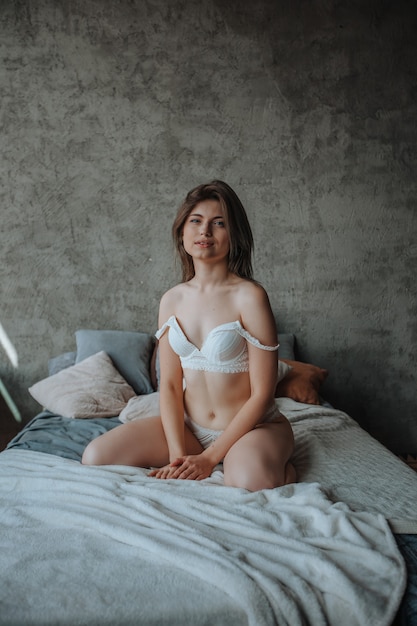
(219,223)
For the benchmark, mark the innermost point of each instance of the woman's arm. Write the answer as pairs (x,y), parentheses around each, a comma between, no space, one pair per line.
(171,388)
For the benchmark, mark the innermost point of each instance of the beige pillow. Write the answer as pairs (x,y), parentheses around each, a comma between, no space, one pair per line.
(141,406)
(91,388)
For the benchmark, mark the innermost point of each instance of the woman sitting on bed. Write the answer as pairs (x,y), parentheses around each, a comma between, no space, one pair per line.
(218,355)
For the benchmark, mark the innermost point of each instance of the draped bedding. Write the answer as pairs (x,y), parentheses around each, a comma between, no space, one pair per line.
(108,545)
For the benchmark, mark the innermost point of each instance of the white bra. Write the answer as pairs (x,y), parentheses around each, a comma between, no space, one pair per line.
(224,349)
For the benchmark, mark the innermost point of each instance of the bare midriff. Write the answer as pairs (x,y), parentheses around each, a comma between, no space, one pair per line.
(212,399)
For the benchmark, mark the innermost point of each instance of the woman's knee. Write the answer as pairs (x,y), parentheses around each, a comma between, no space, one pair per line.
(256,479)
(250,482)
(92,454)
(140,443)
(258,460)
(255,469)
(252,475)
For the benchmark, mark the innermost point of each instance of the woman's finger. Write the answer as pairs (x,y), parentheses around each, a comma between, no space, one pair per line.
(189,473)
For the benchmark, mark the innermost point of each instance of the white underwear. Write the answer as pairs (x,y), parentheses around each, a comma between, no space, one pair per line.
(206,436)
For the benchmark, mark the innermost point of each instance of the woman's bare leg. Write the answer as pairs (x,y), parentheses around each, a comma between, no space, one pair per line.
(261,458)
(140,443)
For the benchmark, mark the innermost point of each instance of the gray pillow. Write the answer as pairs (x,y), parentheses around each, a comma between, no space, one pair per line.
(286,346)
(61,362)
(130,352)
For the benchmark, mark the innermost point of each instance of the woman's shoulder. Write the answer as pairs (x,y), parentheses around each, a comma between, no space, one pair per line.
(256,313)
(252,291)
(174,293)
(170,300)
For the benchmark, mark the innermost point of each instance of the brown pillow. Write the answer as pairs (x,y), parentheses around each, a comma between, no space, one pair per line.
(302,383)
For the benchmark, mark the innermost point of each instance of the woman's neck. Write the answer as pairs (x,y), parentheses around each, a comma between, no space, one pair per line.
(207,276)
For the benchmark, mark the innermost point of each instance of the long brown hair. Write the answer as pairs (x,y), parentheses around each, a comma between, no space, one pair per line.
(237,225)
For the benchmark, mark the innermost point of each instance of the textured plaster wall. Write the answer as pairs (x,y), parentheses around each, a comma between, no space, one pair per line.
(112,110)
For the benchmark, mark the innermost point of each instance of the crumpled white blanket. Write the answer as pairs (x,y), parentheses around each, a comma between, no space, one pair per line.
(286,556)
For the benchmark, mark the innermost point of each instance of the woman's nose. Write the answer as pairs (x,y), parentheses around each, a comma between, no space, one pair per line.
(205,228)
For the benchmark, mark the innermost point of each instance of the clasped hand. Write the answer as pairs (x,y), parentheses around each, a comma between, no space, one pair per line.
(190,467)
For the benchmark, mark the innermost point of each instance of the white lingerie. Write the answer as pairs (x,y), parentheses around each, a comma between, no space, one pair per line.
(206,436)
(224,349)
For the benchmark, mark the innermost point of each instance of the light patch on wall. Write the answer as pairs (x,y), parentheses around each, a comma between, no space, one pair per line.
(12,354)
(8,347)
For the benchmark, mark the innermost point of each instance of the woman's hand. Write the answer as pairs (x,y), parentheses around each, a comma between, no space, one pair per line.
(163,472)
(190,467)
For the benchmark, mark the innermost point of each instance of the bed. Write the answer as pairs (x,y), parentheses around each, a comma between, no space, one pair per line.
(109,545)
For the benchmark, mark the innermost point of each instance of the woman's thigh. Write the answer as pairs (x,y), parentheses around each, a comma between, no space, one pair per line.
(260,459)
(140,443)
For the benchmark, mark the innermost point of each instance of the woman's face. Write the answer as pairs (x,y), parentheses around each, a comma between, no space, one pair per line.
(205,235)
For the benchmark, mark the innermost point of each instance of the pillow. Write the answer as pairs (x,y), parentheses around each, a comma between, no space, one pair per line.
(154,367)
(286,346)
(92,388)
(61,362)
(140,407)
(283,369)
(302,383)
(130,352)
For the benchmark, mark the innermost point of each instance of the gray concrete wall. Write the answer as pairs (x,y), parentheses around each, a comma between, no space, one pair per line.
(112,109)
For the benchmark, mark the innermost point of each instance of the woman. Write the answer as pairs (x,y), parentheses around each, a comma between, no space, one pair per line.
(218,361)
